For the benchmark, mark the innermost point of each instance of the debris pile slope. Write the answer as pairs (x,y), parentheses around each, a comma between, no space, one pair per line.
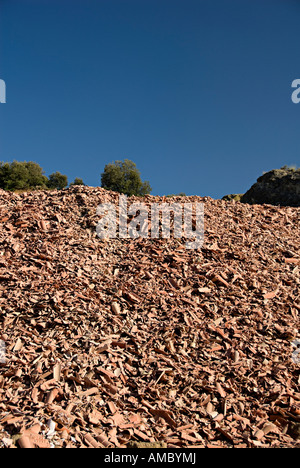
(112,342)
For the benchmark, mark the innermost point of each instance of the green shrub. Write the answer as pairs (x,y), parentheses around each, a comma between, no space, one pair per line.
(77,181)
(21,176)
(124,177)
(57,181)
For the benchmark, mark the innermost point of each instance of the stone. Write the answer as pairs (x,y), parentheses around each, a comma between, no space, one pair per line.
(279,187)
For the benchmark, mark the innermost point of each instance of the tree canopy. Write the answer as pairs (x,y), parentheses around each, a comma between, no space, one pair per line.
(21,176)
(124,177)
(118,176)
(77,181)
(57,181)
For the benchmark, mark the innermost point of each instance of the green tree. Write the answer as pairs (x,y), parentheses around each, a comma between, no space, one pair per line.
(57,181)
(36,175)
(4,175)
(21,176)
(77,181)
(124,177)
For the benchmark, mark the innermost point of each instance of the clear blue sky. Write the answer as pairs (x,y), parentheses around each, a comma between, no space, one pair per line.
(196,92)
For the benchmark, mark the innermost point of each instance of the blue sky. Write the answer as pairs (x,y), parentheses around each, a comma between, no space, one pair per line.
(196,92)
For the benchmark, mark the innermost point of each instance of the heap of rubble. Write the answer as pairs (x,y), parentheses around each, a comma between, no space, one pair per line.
(108,343)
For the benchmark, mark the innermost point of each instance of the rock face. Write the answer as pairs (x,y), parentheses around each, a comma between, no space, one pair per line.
(277,187)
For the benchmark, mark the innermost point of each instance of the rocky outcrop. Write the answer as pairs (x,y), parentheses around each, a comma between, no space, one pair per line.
(278,187)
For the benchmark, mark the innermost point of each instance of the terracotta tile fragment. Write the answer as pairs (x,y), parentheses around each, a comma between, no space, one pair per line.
(26,442)
(91,441)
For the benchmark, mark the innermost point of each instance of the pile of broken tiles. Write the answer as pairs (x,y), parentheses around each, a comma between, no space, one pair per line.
(110,342)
